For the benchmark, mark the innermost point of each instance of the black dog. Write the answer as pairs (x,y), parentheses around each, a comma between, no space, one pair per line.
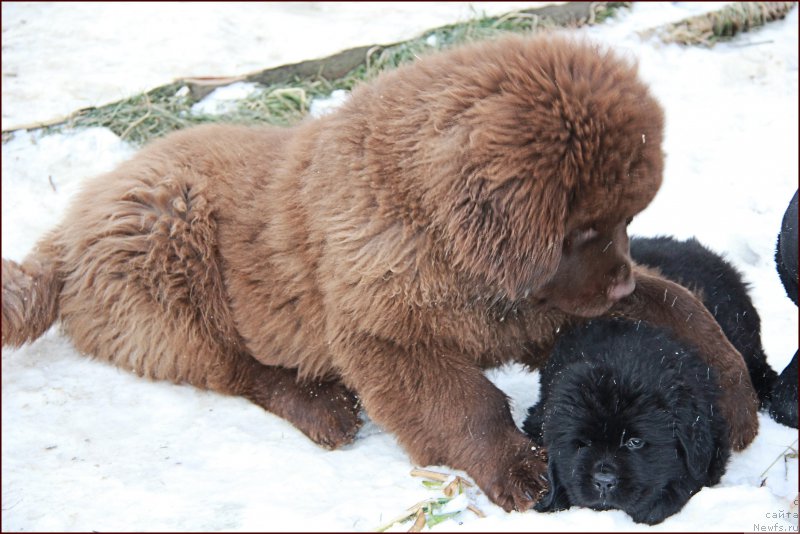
(627,413)
(783,402)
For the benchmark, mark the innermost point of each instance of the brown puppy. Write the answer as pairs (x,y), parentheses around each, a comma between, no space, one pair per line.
(453,215)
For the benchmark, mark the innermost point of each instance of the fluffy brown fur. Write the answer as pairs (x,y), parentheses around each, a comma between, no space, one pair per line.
(452,215)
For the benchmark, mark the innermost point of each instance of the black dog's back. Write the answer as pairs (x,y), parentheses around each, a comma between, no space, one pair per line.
(722,290)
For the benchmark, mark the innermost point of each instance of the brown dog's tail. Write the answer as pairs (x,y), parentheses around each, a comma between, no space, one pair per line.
(30,298)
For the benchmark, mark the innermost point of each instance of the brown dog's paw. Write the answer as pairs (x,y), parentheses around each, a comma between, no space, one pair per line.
(330,417)
(739,406)
(521,480)
(325,411)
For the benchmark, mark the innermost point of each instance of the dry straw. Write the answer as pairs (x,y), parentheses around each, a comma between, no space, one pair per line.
(722,24)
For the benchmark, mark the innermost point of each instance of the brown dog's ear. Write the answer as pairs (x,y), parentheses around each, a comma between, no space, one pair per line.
(509,232)
(499,190)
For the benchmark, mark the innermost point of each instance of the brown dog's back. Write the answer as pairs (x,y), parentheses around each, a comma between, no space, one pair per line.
(134,270)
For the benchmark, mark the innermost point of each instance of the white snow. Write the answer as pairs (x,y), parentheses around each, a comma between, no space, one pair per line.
(89,447)
(223,99)
(323,106)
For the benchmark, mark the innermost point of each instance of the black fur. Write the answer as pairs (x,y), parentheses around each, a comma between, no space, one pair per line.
(783,403)
(786,250)
(609,381)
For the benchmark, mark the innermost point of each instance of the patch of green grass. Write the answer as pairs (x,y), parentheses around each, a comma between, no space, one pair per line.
(140,117)
(606,10)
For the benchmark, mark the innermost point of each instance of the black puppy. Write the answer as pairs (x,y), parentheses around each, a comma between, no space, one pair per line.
(627,416)
(627,413)
(783,402)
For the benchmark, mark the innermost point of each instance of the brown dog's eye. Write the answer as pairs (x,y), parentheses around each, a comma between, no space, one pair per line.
(587,234)
(580,237)
(628,221)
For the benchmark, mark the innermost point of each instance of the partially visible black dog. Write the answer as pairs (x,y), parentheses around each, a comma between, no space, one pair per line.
(786,250)
(783,402)
(627,413)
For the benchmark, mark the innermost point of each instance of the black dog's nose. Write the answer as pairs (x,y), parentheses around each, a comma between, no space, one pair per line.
(604,482)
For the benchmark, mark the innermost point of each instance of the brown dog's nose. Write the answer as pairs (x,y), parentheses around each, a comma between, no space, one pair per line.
(622,288)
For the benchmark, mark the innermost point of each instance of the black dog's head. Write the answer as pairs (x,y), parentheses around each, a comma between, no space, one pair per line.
(627,418)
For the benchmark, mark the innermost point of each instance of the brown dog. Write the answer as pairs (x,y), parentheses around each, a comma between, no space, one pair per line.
(453,215)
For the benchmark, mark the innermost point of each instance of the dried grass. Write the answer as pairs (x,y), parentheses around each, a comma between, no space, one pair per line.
(721,25)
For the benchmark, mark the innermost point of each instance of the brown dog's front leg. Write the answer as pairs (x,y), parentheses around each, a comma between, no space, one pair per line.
(667,304)
(443,410)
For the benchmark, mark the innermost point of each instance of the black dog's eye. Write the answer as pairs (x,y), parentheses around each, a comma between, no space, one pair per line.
(581,443)
(634,443)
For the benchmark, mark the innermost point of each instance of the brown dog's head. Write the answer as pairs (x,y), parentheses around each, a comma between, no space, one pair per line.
(554,145)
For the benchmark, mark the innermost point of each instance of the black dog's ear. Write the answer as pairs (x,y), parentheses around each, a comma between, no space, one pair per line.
(556,498)
(696,440)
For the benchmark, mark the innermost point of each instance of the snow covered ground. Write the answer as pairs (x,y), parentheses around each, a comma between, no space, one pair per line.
(88,447)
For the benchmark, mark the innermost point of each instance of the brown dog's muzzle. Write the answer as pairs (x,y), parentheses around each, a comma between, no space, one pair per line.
(622,289)
(623,284)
